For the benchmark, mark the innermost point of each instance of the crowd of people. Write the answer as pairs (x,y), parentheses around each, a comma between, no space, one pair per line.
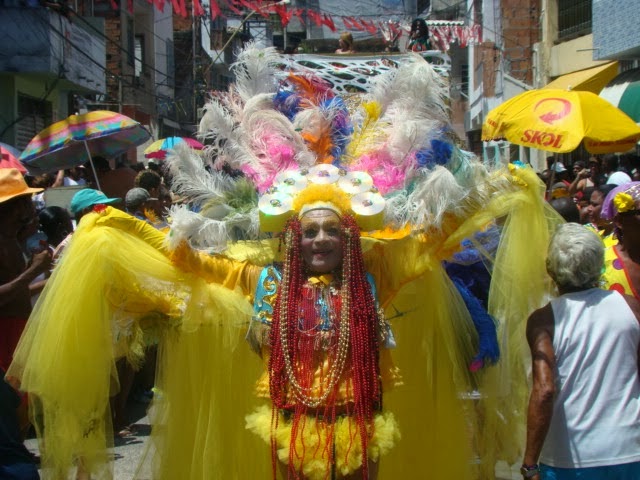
(34,236)
(584,178)
(347,284)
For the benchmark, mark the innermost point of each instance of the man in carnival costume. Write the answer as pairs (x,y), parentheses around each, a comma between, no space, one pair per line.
(337,229)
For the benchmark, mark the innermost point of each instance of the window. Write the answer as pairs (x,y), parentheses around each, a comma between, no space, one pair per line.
(574,18)
(139,61)
(464,79)
(34,115)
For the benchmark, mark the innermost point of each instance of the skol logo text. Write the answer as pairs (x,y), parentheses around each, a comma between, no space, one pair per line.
(543,139)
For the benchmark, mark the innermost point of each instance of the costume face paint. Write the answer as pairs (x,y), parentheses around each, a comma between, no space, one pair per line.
(321,243)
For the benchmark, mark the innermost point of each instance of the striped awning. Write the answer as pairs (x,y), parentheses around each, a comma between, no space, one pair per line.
(624,92)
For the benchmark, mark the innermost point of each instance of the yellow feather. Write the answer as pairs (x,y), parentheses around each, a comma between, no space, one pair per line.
(369,135)
(373,109)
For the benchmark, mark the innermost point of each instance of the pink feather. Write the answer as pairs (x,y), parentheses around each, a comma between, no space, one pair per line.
(386,174)
(274,154)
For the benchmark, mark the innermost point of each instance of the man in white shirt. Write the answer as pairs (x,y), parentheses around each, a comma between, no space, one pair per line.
(583,418)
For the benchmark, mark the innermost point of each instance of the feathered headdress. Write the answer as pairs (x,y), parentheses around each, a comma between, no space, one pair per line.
(390,153)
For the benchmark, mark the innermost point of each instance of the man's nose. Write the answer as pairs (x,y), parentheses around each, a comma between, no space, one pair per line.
(322,236)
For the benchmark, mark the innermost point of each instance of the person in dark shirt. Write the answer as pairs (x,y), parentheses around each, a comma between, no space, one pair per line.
(16,462)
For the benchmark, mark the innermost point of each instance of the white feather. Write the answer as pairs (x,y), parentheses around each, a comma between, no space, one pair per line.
(409,136)
(184,225)
(255,71)
(415,89)
(204,233)
(190,179)
(438,194)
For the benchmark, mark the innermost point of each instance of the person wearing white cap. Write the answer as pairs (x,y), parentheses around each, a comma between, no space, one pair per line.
(559,167)
(615,176)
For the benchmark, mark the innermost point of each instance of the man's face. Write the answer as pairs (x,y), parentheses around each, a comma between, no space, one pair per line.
(76,173)
(21,217)
(595,207)
(321,243)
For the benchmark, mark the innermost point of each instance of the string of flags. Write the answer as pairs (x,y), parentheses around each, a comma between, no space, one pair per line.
(443,34)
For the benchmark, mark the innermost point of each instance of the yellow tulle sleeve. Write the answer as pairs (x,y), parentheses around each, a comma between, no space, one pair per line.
(480,416)
(519,285)
(394,263)
(229,273)
(117,219)
(113,275)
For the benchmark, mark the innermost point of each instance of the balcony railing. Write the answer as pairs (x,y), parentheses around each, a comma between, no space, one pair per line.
(574,18)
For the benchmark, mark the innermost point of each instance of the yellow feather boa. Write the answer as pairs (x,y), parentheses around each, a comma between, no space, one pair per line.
(311,455)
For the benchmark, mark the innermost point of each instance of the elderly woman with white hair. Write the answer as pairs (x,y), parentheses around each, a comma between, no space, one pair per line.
(583,417)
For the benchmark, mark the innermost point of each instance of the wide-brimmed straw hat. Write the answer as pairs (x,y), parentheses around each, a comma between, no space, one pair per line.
(12,185)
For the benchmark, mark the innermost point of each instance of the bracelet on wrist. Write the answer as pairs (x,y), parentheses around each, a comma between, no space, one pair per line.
(529,471)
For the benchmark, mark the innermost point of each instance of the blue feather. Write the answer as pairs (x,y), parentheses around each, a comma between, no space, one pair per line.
(439,154)
(287,103)
(472,282)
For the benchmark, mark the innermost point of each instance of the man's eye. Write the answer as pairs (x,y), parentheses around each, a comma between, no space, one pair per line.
(334,232)
(309,233)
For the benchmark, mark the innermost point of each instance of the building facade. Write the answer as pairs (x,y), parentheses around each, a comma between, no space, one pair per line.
(57,59)
(46,61)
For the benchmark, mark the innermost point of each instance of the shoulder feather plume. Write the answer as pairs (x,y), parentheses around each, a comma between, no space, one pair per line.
(189,177)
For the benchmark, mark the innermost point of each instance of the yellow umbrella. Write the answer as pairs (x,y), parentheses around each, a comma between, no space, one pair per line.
(558,120)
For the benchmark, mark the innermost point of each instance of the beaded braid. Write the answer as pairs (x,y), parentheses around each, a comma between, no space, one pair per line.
(290,287)
(291,359)
(363,320)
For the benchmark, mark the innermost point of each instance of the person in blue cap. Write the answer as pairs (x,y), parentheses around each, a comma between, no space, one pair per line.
(85,200)
(82,203)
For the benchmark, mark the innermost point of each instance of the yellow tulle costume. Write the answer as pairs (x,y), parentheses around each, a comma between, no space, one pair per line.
(116,280)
